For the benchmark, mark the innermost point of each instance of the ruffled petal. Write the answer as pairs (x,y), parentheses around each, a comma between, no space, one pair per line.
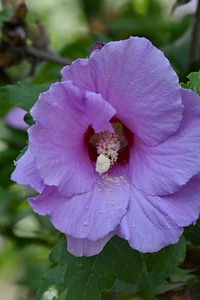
(147,226)
(66,107)
(91,215)
(184,205)
(152,223)
(60,163)
(63,115)
(85,247)
(26,172)
(163,169)
(137,80)
(99,112)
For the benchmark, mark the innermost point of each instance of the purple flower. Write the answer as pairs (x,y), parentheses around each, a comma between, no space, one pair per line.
(116,150)
(15,118)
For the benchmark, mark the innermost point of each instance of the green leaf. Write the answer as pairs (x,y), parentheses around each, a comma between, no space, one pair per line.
(149,281)
(128,262)
(22,152)
(158,262)
(85,278)
(193,83)
(177,279)
(192,234)
(179,3)
(22,95)
(59,255)
(53,280)
(28,119)
(160,265)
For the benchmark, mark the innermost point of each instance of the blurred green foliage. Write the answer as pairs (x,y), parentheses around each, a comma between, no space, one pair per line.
(28,238)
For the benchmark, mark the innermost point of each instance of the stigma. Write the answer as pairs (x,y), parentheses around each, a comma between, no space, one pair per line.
(102,164)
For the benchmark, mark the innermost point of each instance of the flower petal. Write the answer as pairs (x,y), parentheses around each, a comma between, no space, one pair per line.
(60,162)
(152,223)
(99,112)
(147,226)
(162,169)
(91,215)
(26,173)
(184,205)
(57,139)
(85,247)
(137,80)
(15,118)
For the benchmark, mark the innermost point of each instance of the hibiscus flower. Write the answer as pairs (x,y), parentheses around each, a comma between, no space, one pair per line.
(115,150)
(15,119)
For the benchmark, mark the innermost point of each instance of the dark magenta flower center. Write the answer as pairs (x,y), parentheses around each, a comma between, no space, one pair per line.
(109,148)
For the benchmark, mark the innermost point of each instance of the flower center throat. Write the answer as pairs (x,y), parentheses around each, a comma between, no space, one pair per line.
(106,149)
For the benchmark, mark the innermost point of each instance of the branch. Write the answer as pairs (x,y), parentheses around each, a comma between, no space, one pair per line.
(46,55)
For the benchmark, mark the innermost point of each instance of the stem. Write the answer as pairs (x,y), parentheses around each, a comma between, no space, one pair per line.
(46,55)
(194,39)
